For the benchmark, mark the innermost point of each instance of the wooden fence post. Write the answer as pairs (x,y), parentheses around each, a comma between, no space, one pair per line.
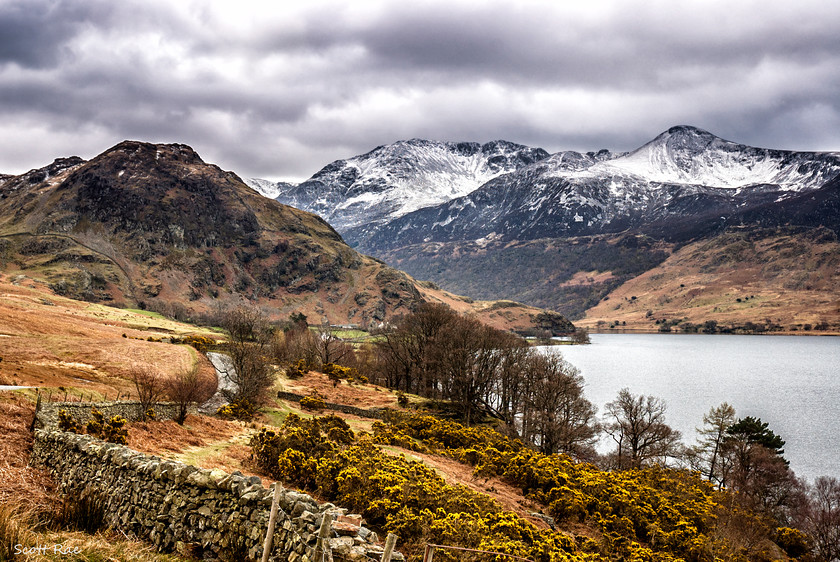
(37,409)
(390,542)
(428,553)
(272,522)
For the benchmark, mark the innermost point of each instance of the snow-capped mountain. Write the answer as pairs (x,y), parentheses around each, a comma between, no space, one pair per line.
(396,179)
(688,155)
(267,188)
(683,178)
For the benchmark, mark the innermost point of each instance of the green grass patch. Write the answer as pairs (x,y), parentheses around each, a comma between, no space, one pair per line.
(351,334)
(148,313)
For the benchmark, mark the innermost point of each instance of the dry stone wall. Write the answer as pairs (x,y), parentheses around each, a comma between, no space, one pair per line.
(178,507)
(375,413)
(47,414)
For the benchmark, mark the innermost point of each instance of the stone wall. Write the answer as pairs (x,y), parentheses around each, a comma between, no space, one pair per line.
(208,513)
(47,414)
(376,413)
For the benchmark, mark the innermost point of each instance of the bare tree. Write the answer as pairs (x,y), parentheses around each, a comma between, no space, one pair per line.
(562,420)
(188,388)
(822,517)
(468,358)
(149,385)
(248,347)
(713,434)
(637,425)
(408,351)
(329,347)
(294,343)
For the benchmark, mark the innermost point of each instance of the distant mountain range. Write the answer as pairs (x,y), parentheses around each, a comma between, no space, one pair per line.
(419,191)
(439,210)
(155,226)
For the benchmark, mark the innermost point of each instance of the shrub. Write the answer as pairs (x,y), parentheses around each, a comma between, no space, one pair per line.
(399,495)
(402,399)
(67,423)
(111,430)
(314,401)
(201,343)
(794,542)
(96,424)
(671,511)
(237,410)
(297,370)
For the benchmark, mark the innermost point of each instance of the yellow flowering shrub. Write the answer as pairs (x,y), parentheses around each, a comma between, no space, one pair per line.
(396,494)
(67,423)
(653,514)
(314,401)
(201,343)
(794,542)
(339,372)
(649,514)
(111,430)
(237,410)
(298,369)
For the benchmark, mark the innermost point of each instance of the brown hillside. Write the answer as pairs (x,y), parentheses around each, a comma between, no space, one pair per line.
(50,341)
(788,277)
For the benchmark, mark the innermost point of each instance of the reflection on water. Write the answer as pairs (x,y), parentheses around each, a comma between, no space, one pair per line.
(791,382)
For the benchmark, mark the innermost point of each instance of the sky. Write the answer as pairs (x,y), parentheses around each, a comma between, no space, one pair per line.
(277,91)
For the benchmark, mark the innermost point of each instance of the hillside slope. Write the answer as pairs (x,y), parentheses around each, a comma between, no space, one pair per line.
(155,226)
(779,278)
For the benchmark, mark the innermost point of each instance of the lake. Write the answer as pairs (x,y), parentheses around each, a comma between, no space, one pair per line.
(791,382)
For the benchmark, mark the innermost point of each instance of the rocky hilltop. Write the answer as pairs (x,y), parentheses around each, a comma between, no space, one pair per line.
(155,226)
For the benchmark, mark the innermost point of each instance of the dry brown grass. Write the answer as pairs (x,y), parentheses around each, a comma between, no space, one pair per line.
(158,437)
(359,395)
(51,341)
(20,484)
(28,501)
(790,280)
(104,547)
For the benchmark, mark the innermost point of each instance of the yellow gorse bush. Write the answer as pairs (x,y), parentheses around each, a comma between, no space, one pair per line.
(653,514)
(396,494)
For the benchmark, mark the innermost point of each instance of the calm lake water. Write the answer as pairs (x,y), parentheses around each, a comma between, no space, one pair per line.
(791,382)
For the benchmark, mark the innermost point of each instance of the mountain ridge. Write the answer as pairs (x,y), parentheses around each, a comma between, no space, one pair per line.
(684,185)
(155,226)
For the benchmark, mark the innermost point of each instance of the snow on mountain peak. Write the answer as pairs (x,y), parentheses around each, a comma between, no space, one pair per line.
(395,179)
(688,155)
(266,188)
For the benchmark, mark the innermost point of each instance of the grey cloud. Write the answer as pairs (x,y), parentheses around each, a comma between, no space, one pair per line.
(35,33)
(284,96)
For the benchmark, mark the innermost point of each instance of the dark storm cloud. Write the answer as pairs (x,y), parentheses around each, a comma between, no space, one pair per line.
(34,33)
(279,90)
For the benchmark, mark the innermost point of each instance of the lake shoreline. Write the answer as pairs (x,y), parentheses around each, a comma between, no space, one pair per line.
(624,330)
(788,382)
